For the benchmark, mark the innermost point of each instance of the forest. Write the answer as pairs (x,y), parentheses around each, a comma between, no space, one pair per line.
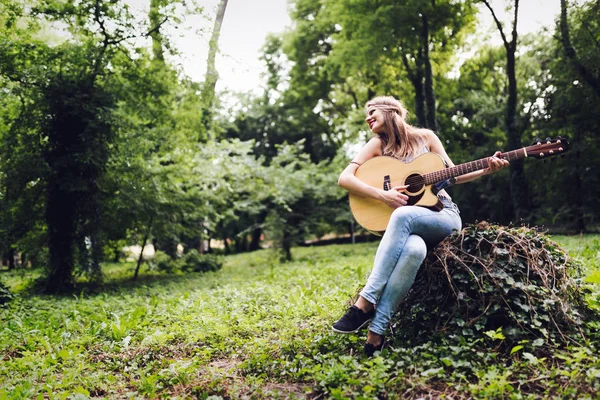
(106,143)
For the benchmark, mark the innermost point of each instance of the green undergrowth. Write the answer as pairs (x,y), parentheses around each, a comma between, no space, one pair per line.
(261,329)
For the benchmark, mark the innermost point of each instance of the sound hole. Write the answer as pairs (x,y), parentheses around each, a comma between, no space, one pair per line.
(415,182)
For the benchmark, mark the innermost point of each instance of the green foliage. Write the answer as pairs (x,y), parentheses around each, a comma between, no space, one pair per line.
(488,279)
(262,330)
(196,262)
(101,141)
(162,262)
(192,261)
(5,294)
(304,197)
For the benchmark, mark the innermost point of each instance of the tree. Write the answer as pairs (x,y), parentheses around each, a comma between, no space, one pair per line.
(589,76)
(76,90)
(518,184)
(367,48)
(571,110)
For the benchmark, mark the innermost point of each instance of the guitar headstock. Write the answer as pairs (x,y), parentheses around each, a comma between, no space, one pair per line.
(547,148)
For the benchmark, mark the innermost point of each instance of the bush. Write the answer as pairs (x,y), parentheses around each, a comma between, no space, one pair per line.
(5,294)
(196,262)
(163,262)
(190,262)
(490,280)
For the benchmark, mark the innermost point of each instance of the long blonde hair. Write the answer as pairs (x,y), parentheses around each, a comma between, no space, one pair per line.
(400,139)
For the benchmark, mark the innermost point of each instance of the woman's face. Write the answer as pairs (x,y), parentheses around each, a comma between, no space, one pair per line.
(375,120)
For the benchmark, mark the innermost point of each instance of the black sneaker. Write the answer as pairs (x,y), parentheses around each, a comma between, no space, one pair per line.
(353,320)
(370,349)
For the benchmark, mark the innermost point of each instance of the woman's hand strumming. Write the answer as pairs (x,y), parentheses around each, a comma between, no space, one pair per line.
(394,197)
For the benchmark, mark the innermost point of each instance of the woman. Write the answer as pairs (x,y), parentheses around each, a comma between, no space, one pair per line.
(411,229)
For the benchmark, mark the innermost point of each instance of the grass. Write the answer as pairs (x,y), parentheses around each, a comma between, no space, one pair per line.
(586,249)
(255,329)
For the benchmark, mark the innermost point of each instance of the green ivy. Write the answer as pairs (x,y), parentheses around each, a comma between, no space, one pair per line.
(513,285)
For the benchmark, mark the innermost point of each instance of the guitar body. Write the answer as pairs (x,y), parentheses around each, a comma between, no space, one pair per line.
(387,172)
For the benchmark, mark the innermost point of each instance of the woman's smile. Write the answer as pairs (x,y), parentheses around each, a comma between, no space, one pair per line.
(374,119)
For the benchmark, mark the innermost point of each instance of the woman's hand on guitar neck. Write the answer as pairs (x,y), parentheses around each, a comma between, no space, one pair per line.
(394,197)
(496,164)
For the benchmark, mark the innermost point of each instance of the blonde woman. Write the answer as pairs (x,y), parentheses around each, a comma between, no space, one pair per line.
(411,229)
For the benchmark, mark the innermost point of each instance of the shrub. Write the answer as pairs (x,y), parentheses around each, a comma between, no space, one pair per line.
(513,283)
(5,294)
(194,261)
(163,262)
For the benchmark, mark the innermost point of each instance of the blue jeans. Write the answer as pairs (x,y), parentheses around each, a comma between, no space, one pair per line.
(400,253)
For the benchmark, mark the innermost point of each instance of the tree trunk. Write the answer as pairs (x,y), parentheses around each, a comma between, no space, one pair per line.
(97,255)
(83,256)
(226,246)
(431,118)
(518,184)
(11,258)
(416,78)
(255,239)
(60,219)
(286,246)
(139,262)
(577,195)
(420,108)
(208,92)
(168,244)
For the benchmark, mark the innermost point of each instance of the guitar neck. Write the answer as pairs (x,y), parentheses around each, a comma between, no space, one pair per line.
(462,169)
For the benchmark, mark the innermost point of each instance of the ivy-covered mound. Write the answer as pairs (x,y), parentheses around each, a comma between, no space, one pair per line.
(513,281)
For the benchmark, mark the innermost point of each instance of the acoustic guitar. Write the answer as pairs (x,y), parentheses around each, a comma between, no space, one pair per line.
(421,175)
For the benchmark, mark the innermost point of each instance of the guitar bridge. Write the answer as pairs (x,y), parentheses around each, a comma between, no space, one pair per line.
(387,185)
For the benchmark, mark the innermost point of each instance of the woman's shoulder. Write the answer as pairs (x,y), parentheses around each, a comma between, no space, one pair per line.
(427,136)
(373,148)
(375,141)
(426,133)
(376,144)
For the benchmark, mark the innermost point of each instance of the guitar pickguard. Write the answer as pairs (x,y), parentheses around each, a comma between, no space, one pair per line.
(412,200)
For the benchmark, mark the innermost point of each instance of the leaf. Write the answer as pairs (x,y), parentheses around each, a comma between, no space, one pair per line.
(530,357)
(538,342)
(447,361)
(432,371)
(515,349)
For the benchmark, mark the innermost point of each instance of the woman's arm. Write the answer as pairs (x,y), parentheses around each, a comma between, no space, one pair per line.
(393,198)
(496,164)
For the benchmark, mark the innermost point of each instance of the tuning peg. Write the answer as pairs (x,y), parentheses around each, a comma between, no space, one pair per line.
(548,140)
(537,141)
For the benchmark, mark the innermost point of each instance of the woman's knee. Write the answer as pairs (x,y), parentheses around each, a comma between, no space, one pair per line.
(415,248)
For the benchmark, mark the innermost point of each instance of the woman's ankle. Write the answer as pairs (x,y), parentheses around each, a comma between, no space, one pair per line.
(374,338)
(364,304)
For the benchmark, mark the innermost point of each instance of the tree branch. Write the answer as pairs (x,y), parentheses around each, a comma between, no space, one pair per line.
(498,24)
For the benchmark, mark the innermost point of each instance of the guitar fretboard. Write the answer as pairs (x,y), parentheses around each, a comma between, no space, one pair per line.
(462,169)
